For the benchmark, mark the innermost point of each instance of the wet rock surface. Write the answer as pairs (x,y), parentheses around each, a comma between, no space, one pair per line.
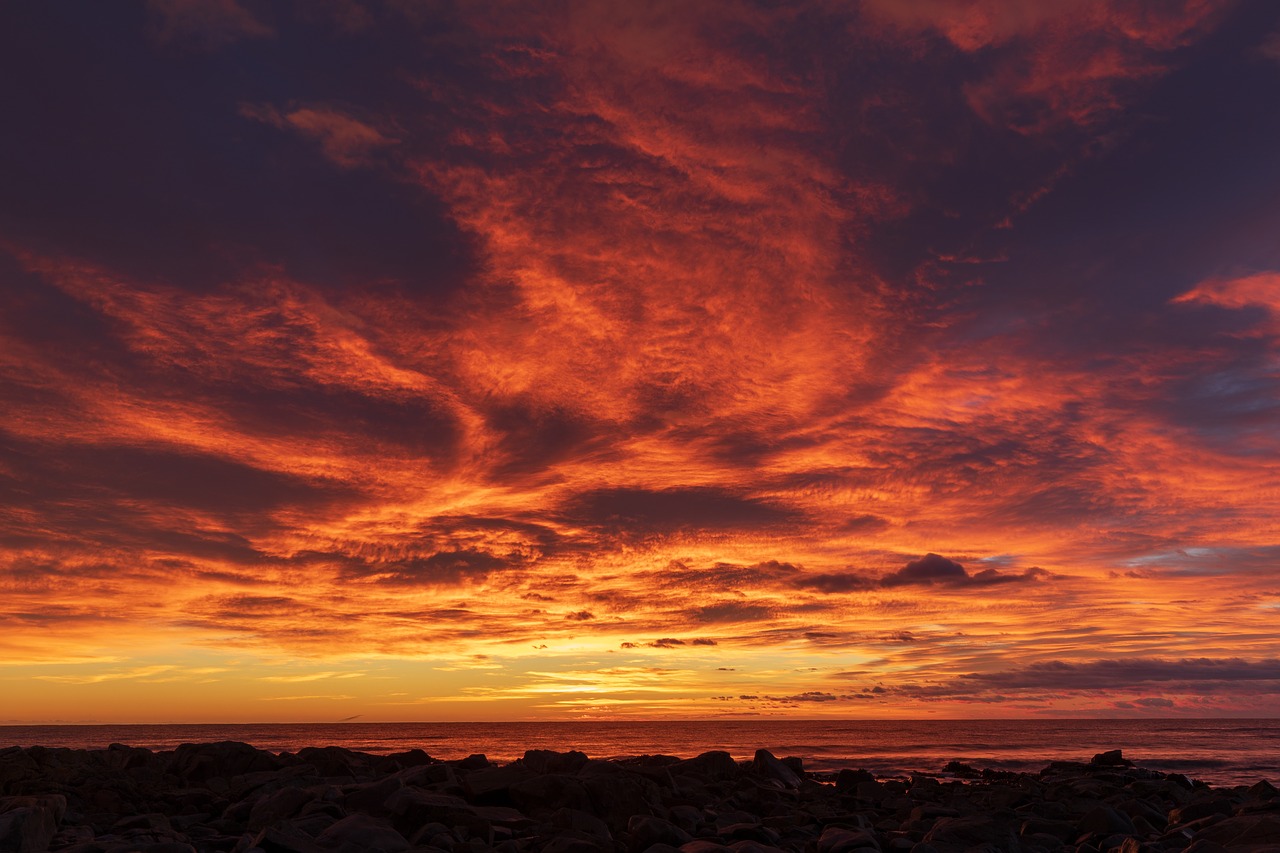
(232,798)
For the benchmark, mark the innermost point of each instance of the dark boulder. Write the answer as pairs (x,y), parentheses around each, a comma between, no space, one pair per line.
(1110,758)
(278,805)
(426,775)
(362,834)
(1104,820)
(1244,832)
(848,780)
(617,797)
(120,757)
(961,770)
(1062,830)
(767,765)
(410,758)
(56,804)
(714,766)
(550,792)
(283,838)
(583,822)
(27,829)
(336,761)
(687,817)
(371,797)
(1262,790)
(199,762)
(1200,809)
(541,761)
(961,834)
(703,845)
(411,808)
(647,830)
(839,839)
(570,841)
(491,786)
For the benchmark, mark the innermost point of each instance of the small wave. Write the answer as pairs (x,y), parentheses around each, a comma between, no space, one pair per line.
(1186,763)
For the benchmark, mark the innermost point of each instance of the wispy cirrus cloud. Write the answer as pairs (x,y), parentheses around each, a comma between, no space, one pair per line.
(312,676)
(346,141)
(204,23)
(1067,63)
(144,672)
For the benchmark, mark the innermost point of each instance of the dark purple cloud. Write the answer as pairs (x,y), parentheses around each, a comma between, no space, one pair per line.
(1113,674)
(1196,676)
(628,510)
(932,569)
(835,582)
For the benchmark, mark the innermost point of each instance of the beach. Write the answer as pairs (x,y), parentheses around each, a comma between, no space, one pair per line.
(230,797)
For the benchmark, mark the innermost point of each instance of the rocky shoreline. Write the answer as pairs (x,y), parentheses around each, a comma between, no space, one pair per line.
(232,798)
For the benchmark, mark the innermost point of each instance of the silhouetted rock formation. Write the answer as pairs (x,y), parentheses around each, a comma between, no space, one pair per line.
(232,798)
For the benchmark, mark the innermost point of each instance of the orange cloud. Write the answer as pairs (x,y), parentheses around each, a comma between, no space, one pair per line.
(344,140)
(209,23)
(1261,290)
(1059,63)
(732,388)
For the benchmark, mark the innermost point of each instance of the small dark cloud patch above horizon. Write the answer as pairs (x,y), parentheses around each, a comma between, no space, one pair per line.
(865,524)
(844,639)
(670,643)
(51,617)
(933,569)
(235,608)
(814,697)
(721,578)
(730,612)
(439,569)
(626,511)
(929,570)
(1203,676)
(807,696)
(1110,674)
(835,582)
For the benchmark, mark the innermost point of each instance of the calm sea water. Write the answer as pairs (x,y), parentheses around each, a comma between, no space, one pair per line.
(1222,752)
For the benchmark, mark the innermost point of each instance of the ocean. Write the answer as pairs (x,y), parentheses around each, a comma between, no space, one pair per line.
(1221,752)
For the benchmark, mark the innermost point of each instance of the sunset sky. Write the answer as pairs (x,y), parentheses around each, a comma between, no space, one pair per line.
(484,360)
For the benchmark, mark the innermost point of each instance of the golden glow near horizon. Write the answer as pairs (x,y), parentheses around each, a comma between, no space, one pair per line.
(576,363)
